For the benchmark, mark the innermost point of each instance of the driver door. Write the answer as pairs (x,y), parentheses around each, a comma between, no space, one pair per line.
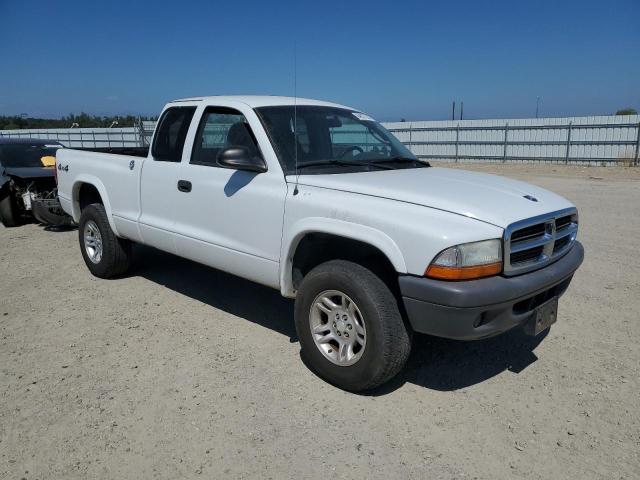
(230,219)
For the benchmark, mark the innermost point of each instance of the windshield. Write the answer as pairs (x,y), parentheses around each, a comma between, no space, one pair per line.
(19,155)
(334,140)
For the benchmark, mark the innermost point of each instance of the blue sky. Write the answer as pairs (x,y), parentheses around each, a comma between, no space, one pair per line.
(392,59)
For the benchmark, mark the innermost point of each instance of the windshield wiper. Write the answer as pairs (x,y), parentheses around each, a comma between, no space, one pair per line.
(400,159)
(343,163)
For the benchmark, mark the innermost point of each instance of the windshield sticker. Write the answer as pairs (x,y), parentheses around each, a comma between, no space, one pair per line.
(363,116)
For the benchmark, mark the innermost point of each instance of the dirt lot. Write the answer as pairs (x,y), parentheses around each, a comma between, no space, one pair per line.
(180,371)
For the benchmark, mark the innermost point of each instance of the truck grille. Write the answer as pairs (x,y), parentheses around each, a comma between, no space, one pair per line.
(538,241)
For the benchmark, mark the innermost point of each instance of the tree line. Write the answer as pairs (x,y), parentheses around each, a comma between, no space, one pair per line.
(83,120)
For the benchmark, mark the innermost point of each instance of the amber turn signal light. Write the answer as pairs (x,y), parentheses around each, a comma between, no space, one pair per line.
(463,273)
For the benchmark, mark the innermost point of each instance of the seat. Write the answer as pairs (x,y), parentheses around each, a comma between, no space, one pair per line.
(239,135)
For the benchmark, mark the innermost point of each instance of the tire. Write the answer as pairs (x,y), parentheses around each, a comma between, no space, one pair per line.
(115,253)
(9,211)
(386,339)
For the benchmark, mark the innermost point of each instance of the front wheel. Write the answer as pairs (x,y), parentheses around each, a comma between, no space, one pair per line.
(105,254)
(350,327)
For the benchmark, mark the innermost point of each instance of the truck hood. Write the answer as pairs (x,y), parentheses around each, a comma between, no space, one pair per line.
(489,198)
(29,172)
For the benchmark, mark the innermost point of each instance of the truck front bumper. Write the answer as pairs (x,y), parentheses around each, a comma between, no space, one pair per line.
(474,309)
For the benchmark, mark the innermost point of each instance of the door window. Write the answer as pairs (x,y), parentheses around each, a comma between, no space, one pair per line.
(221,128)
(172,131)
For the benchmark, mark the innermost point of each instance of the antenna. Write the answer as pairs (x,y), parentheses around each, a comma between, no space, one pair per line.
(295,115)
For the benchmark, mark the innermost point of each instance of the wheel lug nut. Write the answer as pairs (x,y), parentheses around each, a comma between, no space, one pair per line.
(338,333)
(349,326)
(346,334)
(334,324)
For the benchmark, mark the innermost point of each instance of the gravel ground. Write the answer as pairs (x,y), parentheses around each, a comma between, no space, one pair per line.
(180,371)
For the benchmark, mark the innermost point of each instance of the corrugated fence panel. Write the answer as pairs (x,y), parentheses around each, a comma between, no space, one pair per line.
(606,140)
(84,137)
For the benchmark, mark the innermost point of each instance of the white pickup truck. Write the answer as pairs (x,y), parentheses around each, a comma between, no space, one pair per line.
(319,201)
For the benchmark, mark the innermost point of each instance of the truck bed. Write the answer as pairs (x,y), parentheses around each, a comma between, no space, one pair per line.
(130,151)
(114,170)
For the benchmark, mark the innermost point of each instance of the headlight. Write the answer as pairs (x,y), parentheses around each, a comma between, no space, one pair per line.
(467,261)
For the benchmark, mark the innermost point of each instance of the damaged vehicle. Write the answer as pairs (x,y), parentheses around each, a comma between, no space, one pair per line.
(28,182)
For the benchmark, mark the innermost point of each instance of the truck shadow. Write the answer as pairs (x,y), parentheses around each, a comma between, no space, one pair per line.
(435,363)
(237,296)
(448,365)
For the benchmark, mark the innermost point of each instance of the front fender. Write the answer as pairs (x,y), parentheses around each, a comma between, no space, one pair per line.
(75,193)
(337,227)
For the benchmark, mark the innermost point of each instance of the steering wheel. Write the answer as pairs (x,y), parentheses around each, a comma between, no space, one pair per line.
(351,149)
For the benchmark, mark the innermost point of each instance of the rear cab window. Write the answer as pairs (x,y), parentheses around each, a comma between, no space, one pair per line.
(173,126)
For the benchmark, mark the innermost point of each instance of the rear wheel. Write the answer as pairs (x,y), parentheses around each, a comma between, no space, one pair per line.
(350,327)
(9,213)
(105,254)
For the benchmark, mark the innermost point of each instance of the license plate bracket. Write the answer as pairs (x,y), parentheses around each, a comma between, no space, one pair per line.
(542,317)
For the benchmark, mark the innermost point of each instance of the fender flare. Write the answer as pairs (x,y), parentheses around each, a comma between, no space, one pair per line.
(95,182)
(340,228)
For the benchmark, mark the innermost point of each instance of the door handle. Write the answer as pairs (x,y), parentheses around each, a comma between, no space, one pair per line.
(184,186)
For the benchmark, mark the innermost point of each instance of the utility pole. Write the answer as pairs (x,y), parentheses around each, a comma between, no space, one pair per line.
(537,106)
(461,109)
(453,112)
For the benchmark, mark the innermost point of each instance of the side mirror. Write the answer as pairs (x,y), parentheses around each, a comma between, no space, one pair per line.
(239,158)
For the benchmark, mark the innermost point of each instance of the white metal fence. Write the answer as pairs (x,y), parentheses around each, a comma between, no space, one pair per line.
(136,136)
(606,140)
(592,140)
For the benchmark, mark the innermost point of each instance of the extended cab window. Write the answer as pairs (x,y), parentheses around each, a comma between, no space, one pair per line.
(221,128)
(172,131)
